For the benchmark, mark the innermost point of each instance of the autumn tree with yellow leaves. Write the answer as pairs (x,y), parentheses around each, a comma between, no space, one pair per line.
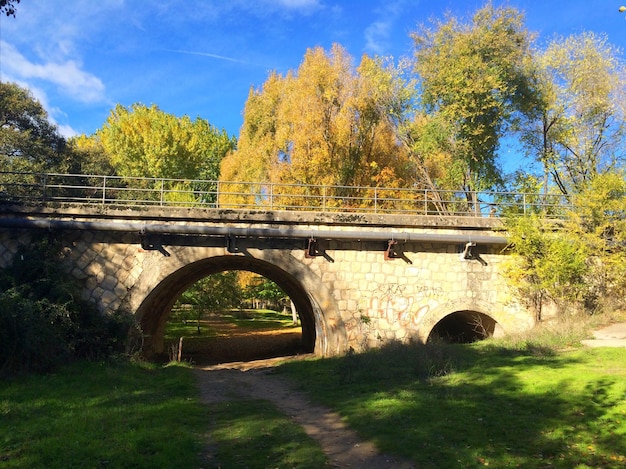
(320,124)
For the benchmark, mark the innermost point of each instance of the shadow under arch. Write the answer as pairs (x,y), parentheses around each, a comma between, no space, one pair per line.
(154,311)
(462,322)
(462,327)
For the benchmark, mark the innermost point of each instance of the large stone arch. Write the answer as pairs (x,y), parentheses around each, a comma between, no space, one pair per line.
(502,318)
(159,286)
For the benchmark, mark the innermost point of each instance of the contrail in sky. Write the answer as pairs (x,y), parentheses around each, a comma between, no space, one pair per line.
(206,54)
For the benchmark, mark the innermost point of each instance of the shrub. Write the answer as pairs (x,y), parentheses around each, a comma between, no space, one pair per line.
(43,320)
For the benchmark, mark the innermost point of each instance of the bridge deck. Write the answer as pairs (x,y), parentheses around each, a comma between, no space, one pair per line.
(244,216)
(220,223)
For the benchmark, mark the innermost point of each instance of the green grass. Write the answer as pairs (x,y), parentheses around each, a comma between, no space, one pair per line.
(137,415)
(102,416)
(244,319)
(481,404)
(519,403)
(254,435)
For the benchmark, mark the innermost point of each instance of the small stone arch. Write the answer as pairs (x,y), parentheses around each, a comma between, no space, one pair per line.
(158,288)
(463,321)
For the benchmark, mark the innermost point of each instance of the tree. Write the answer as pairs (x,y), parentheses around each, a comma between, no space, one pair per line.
(473,81)
(547,266)
(89,157)
(8,7)
(28,141)
(581,263)
(578,129)
(144,141)
(213,293)
(258,287)
(320,125)
(598,220)
(44,323)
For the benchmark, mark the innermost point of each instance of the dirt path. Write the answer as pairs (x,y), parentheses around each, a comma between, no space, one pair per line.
(610,336)
(244,380)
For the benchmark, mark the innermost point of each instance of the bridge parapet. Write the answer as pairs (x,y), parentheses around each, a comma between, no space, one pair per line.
(272,197)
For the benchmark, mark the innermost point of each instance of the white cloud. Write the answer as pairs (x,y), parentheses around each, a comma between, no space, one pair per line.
(297,4)
(67,131)
(377,34)
(68,75)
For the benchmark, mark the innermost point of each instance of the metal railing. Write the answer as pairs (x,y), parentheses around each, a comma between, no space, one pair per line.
(162,192)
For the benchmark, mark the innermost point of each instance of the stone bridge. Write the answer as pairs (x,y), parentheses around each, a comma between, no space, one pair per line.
(356,280)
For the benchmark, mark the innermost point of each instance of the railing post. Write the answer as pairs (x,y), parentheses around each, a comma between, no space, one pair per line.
(476,204)
(162,194)
(271,196)
(104,189)
(425,201)
(45,187)
(375,199)
(524,202)
(323,198)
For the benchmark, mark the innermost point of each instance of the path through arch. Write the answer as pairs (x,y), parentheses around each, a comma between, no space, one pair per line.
(254,380)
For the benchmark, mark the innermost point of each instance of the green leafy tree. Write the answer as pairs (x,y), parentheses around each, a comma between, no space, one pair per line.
(88,157)
(579,263)
(548,266)
(473,81)
(8,7)
(144,141)
(578,129)
(598,220)
(266,290)
(213,293)
(43,320)
(28,141)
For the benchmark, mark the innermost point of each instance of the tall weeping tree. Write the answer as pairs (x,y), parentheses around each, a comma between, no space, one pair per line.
(319,124)
(474,81)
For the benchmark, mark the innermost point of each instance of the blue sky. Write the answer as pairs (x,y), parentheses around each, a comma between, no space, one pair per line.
(201,57)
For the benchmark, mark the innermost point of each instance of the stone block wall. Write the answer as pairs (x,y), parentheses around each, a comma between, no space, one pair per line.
(373,301)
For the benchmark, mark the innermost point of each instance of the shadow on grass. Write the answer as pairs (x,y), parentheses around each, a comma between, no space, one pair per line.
(473,405)
(255,435)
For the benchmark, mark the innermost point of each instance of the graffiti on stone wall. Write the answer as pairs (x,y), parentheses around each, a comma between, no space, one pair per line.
(401,303)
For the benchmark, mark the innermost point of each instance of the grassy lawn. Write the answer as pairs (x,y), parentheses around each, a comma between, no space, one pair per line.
(485,404)
(233,335)
(139,416)
(481,404)
(102,416)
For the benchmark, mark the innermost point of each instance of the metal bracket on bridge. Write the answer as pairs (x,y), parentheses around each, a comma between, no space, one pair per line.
(152,243)
(469,253)
(231,244)
(314,249)
(393,251)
